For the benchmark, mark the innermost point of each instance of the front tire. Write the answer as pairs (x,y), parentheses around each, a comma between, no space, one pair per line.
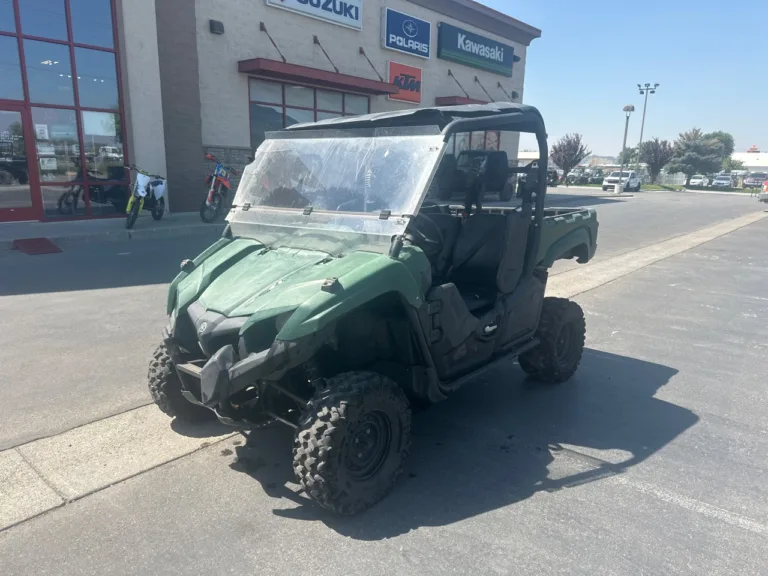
(352,443)
(561,335)
(165,388)
(130,218)
(209,212)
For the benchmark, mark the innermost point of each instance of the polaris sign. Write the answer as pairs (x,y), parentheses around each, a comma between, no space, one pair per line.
(347,13)
(474,50)
(405,33)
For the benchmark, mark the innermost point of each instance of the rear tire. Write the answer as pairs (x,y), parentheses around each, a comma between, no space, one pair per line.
(561,335)
(165,388)
(353,441)
(159,209)
(209,213)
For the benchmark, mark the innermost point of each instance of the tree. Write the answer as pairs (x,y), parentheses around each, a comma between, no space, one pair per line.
(568,152)
(724,138)
(729,164)
(627,157)
(694,153)
(657,154)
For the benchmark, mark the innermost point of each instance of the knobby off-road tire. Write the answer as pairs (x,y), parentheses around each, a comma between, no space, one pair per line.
(159,209)
(353,441)
(561,335)
(165,388)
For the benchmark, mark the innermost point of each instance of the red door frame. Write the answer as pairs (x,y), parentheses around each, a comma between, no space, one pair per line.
(34,212)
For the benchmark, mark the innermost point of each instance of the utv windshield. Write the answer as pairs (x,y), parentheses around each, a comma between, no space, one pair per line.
(347,191)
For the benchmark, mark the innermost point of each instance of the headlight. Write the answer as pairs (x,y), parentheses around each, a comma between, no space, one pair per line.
(172,319)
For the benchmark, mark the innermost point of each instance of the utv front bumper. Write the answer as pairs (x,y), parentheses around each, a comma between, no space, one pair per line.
(212,382)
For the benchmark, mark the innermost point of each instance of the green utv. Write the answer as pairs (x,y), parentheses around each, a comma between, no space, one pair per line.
(338,298)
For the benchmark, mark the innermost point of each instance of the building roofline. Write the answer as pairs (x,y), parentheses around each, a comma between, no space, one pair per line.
(480,16)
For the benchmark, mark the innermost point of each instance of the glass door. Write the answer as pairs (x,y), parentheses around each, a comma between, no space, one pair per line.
(17,172)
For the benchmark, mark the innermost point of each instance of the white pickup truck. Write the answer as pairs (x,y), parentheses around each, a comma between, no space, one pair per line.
(630,181)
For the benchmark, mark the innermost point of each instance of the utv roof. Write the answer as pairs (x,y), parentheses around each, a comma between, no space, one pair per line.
(471,117)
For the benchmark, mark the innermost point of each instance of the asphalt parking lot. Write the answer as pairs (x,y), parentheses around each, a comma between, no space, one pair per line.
(650,461)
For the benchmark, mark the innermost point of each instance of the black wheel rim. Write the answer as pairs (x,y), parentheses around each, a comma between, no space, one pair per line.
(368,445)
(565,345)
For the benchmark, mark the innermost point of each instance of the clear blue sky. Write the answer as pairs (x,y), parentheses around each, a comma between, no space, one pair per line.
(710,58)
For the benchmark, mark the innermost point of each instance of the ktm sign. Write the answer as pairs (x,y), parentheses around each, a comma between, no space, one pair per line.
(407,80)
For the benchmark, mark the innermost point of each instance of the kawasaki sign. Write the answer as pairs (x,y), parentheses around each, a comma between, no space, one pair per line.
(474,50)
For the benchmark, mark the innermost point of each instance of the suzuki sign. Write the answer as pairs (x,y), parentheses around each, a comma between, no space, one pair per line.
(405,33)
(347,13)
(407,79)
(471,49)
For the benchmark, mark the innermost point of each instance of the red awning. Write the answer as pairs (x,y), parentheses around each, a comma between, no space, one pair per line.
(277,70)
(456,101)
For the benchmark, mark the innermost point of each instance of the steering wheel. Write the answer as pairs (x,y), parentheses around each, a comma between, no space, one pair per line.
(423,233)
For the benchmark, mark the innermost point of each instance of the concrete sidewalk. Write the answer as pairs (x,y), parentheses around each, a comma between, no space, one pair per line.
(78,232)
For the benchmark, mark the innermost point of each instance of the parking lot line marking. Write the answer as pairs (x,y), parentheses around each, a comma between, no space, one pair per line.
(591,276)
(694,505)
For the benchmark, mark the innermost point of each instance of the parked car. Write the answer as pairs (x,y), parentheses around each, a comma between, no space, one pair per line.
(629,179)
(723,181)
(110,153)
(755,179)
(699,180)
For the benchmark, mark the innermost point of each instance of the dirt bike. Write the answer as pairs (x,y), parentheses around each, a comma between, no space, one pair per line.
(219,184)
(147,190)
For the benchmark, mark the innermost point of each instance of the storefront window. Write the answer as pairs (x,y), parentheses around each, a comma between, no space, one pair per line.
(96,78)
(70,104)
(331,101)
(264,118)
(299,96)
(7,19)
(103,145)
(10,69)
(92,22)
(43,18)
(275,106)
(56,142)
(49,74)
(354,105)
(270,92)
(63,201)
(298,116)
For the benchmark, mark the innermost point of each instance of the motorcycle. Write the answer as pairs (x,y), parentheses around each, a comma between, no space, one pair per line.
(219,184)
(147,190)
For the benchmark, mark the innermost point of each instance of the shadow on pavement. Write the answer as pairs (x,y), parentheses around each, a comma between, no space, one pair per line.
(99,266)
(497,442)
(200,430)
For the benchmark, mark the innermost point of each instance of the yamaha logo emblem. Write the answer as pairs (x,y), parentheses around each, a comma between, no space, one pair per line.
(202,328)
(410,29)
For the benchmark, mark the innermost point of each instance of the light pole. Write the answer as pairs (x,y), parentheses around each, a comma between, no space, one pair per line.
(647,89)
(628,109)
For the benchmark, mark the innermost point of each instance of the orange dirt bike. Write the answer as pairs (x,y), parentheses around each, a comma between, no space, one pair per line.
(219,185)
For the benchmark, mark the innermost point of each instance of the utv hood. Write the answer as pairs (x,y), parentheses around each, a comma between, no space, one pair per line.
(274,281)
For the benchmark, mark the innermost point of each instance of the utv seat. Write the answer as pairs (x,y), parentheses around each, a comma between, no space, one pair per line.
(450,226)
(489,256)
(476,259)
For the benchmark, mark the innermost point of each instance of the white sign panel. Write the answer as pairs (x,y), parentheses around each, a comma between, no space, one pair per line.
(41,131)
(347,13)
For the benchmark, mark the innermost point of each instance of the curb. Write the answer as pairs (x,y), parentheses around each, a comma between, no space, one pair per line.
(114,236)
